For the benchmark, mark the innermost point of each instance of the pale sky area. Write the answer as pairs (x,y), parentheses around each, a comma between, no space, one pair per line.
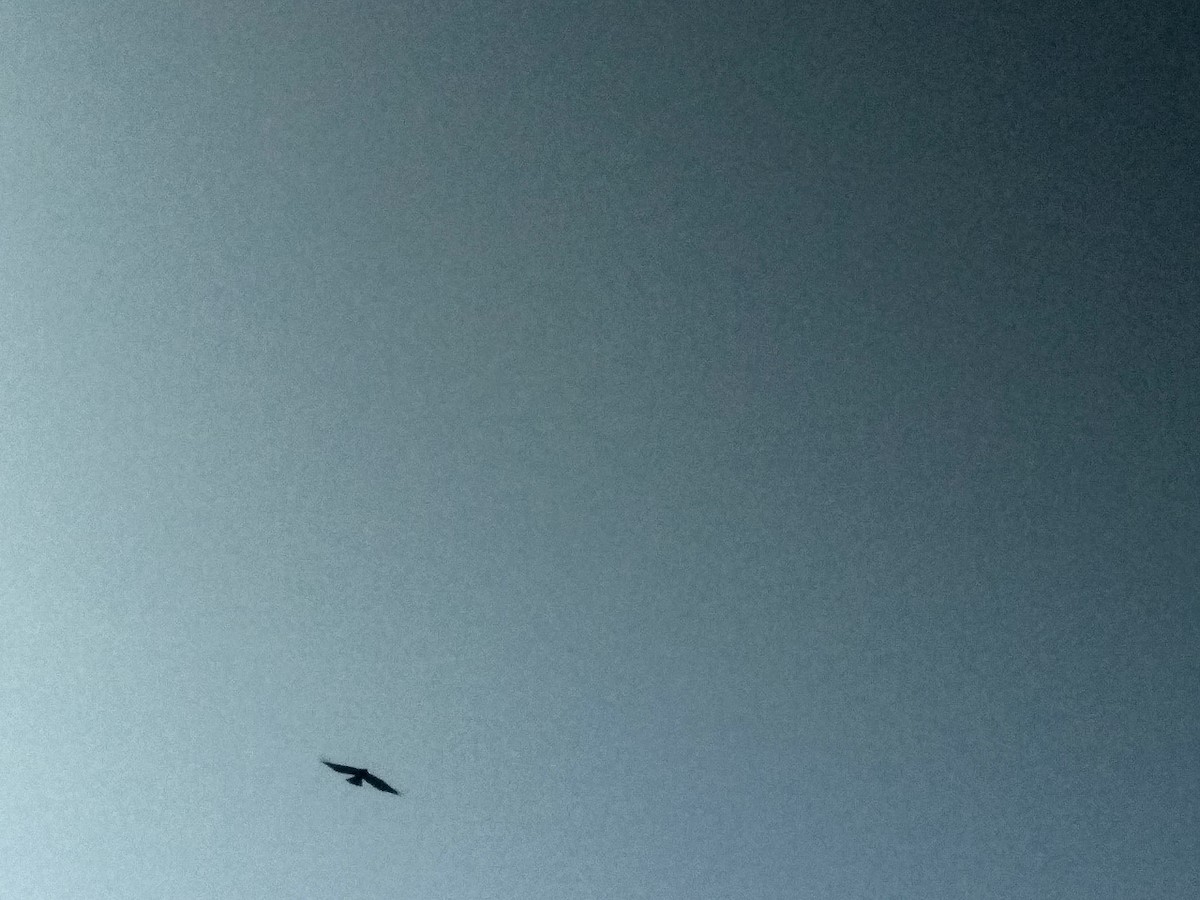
(697,451)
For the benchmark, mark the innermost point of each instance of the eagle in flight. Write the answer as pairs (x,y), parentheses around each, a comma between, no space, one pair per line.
(358,776)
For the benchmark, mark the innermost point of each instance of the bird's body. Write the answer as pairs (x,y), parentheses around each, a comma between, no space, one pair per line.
(358,776)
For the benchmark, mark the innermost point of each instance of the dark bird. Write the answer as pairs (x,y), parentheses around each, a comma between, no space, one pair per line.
(358,776)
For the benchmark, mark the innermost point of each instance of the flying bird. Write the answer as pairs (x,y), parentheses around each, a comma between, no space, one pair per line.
(358,776)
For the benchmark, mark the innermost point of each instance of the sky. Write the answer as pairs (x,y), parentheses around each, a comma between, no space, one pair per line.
(694,450)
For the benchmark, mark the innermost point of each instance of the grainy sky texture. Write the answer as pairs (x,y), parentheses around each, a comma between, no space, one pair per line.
(697,450)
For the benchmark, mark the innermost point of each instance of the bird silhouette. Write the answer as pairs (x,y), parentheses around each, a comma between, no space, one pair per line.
(358,776)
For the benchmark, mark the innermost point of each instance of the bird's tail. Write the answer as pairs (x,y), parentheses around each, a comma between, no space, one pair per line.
(356,780)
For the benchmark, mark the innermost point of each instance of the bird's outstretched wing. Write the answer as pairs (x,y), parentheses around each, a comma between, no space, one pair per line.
(376,782)
(345,770)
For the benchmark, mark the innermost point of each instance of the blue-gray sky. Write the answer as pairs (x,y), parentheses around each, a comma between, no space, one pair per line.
(696,450)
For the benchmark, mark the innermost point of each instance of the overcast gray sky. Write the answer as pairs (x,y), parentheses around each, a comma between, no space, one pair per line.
(696,450)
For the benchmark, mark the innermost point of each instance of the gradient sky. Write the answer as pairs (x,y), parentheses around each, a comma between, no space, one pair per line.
(696,450)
